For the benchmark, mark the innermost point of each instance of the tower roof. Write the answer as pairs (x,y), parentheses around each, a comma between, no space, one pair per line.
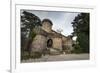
(47,20)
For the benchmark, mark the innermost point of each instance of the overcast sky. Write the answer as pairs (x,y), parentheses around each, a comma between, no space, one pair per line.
(60,20)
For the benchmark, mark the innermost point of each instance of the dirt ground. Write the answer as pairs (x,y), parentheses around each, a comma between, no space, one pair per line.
(62,57)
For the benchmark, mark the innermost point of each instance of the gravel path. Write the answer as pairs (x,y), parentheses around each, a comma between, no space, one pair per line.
(61,57)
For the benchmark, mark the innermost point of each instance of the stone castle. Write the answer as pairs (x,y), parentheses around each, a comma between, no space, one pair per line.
(48,39)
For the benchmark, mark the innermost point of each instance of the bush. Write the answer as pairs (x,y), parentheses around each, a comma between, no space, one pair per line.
(35,55)
(25,55)
(77,49)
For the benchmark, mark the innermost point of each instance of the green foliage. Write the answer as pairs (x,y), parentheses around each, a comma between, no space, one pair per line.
(34,55)
(28,22)
(32,35)
(77,49)
(24,55)
(81,30)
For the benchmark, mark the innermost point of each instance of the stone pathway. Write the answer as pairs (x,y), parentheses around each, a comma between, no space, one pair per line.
(62,57)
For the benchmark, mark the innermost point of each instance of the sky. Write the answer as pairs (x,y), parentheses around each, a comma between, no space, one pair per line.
(60,20)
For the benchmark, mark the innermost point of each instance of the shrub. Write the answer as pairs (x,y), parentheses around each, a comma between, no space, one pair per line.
(35,55)
(25,55)
(77,49)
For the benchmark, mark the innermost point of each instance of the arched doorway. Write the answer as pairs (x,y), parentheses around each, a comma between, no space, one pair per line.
(49,43)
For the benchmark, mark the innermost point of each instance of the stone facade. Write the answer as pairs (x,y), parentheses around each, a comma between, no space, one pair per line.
(39,43)
(57,43)
(47,38)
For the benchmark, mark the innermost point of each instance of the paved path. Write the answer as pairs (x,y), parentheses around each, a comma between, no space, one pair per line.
(62,57)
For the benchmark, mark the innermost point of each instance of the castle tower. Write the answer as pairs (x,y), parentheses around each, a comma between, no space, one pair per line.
(47,25)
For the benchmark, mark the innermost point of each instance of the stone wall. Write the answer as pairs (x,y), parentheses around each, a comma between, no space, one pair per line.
(57,43)
(39,43)
(67,43)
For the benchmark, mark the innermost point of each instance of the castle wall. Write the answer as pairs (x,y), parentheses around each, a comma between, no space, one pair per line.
(39,43)
(57,43)
(67,43)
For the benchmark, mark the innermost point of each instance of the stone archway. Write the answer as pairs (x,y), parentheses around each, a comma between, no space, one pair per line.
(49,43)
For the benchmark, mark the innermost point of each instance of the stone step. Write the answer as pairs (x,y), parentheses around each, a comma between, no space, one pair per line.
(54,51)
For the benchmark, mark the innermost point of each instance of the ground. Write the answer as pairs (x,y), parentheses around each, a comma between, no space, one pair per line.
(61,57)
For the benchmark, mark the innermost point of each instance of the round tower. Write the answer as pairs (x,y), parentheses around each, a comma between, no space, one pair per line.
(47,25)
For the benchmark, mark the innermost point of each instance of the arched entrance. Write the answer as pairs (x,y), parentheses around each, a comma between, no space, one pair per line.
(49,43)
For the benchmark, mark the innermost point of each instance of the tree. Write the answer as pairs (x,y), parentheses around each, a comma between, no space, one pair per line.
(81,30)
(28,22)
